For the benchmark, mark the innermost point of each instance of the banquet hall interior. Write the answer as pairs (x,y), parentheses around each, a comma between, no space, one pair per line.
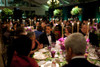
(49,33)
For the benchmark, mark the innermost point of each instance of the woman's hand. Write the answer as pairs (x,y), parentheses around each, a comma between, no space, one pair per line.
(40,46)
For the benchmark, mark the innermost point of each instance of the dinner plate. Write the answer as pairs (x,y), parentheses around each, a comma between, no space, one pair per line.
(40,56)
(49,64)
(41,63)
(43,50)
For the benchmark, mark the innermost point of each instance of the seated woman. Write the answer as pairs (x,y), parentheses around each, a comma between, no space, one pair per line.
(20,31)
(23,46)
(68,31)
(35,44)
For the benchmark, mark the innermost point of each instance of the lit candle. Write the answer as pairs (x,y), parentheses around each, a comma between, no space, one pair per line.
(18,20)
(40,19)
(53,19)
(97,20)
(88,27)
(7,20)
(77,26)
(13,20)
(62,29)
(23,21)
(89,20)
(30,21)
(72,27)
(93,21)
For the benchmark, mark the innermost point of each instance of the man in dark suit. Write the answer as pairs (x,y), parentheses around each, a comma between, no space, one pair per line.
(92,37)
(75,48)
(47,37)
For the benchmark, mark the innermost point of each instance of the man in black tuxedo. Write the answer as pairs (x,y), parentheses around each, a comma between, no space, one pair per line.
(92,37)
(47,37)
(75,49)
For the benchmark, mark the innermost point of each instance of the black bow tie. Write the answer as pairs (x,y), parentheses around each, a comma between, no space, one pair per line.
(49,35)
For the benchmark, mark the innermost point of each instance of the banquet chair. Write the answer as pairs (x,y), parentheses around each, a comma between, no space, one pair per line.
(4,57)
(4,60)
(99,38)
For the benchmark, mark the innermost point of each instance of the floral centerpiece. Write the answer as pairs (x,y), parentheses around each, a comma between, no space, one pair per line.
(93,29)
(6,12)
(92,54)
(61,43)
(29,28)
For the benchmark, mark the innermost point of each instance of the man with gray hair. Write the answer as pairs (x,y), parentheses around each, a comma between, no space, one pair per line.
(75,48)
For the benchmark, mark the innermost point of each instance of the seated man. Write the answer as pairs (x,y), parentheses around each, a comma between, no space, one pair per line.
(47,37)
(92,37)
(75,48)
(23,46)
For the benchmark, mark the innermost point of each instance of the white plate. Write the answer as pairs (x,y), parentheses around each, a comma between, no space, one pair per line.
(41,63)
(49,64)
(40,56)
(43,50)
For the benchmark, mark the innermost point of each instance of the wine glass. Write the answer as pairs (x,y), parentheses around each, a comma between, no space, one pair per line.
(53,44)
(53,54)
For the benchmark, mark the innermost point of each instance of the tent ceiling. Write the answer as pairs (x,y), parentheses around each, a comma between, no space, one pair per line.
(37,3)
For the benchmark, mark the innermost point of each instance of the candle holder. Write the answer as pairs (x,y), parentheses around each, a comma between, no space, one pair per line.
(89,20)
(30,21)
(72,27)
(13,20)
(62,29)
(7,20)
(18,20)
(77,26)
(88,28)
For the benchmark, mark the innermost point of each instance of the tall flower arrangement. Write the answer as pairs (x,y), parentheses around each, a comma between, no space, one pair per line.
(76,10)
(57,12)
(6,12)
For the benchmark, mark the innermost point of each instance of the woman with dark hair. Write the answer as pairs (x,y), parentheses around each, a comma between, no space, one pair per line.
(23,46)
(20,31)
(68,31)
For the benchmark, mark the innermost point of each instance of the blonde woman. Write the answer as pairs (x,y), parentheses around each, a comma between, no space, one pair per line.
(35,44)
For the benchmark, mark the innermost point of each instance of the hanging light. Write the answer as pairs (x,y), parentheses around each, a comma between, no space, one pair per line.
(57,1)
(49,2)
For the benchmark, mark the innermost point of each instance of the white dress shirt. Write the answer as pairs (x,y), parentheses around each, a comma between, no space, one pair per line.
(78,57)
(49,39)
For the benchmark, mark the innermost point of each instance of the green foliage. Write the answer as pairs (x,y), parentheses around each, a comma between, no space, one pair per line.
(76,10)
(7,11)
(57,12)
